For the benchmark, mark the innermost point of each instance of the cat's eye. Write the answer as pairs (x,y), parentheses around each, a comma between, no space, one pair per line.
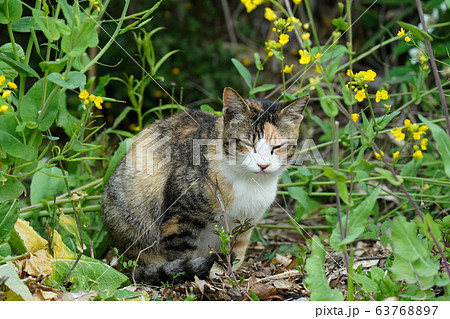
(275,147)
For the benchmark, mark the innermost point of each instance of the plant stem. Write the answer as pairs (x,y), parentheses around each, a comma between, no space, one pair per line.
(434,69)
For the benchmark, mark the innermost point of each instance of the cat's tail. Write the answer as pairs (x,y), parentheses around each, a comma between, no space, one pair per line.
(174,271)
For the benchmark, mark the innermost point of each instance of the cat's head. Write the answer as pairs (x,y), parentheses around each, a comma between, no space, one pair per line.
(260,136)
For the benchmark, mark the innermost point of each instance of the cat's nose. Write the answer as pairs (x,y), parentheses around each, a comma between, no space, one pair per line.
(263,166)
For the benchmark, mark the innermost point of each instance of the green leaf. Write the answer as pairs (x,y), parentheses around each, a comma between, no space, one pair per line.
(9,71)
(46,183)
(31,105)
(389,177)
(340,24)
(258,63)
(357,221)
(74,80)
(162,60)
(25,25)
(326,102)
(367,127)
(316,281)
(442,140)
(8,217)
(11,189)
(10,10)
(340,180)
(262,88)
(404,241)
(384,120)
(81,37)
(367,284)
(47,24)
(118,155)
(53,66)
(243,72)
(417,32)
(18,66)
(89,274)
(13,282)
(11,142)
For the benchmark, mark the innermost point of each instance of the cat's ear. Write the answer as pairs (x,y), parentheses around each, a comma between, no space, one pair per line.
(233,104)
(292,111)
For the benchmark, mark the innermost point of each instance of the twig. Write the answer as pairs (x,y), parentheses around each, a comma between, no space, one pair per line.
(287,274)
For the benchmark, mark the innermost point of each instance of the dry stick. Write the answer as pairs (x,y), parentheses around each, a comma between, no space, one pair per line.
(229,23)
(434,67)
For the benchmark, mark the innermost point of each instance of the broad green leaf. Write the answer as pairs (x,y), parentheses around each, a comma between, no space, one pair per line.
(10,10)
(356,223)
(18,66)
(53,66)
(442,140)
(367,284)
(69,224)
(416,31)
(89,274)
(340,180)
(326,102)
(47,24)
(401,270)
(8,217)
(12,143)
(5,250)
(340,24)
(7,70)
(404,240)
(243,72)
(81,37)
(74,80)
(316,281)
(11,189)
(46,183)
(25,24)
(384,120)
(31,105)
(13,282)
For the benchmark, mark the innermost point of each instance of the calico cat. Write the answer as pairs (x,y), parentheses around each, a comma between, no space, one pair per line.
(165,197)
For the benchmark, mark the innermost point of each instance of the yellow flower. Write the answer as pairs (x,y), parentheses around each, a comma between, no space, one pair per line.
(407,39)
(296,1)
(398,133)
(6,93)
(306,36)
(423,144)
(98,102)
(2,79)
(423,128)
(251,5)
(381,95)
(416,135)
(176,71)
(288,68)
(319,69)
(418,154)
(370,75)
(305,57)
(401,32)
(86,101)
(92,97)
(423,59)
(284,38)
(12,85)
(395,155)
(379,156)
(350,73)
(355,117)
(314,81)
(3,108)
(306,26)
(83,94)
(269,54)
(407,123)
(318,55)
(293,20)
(360,95)
(269,14)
